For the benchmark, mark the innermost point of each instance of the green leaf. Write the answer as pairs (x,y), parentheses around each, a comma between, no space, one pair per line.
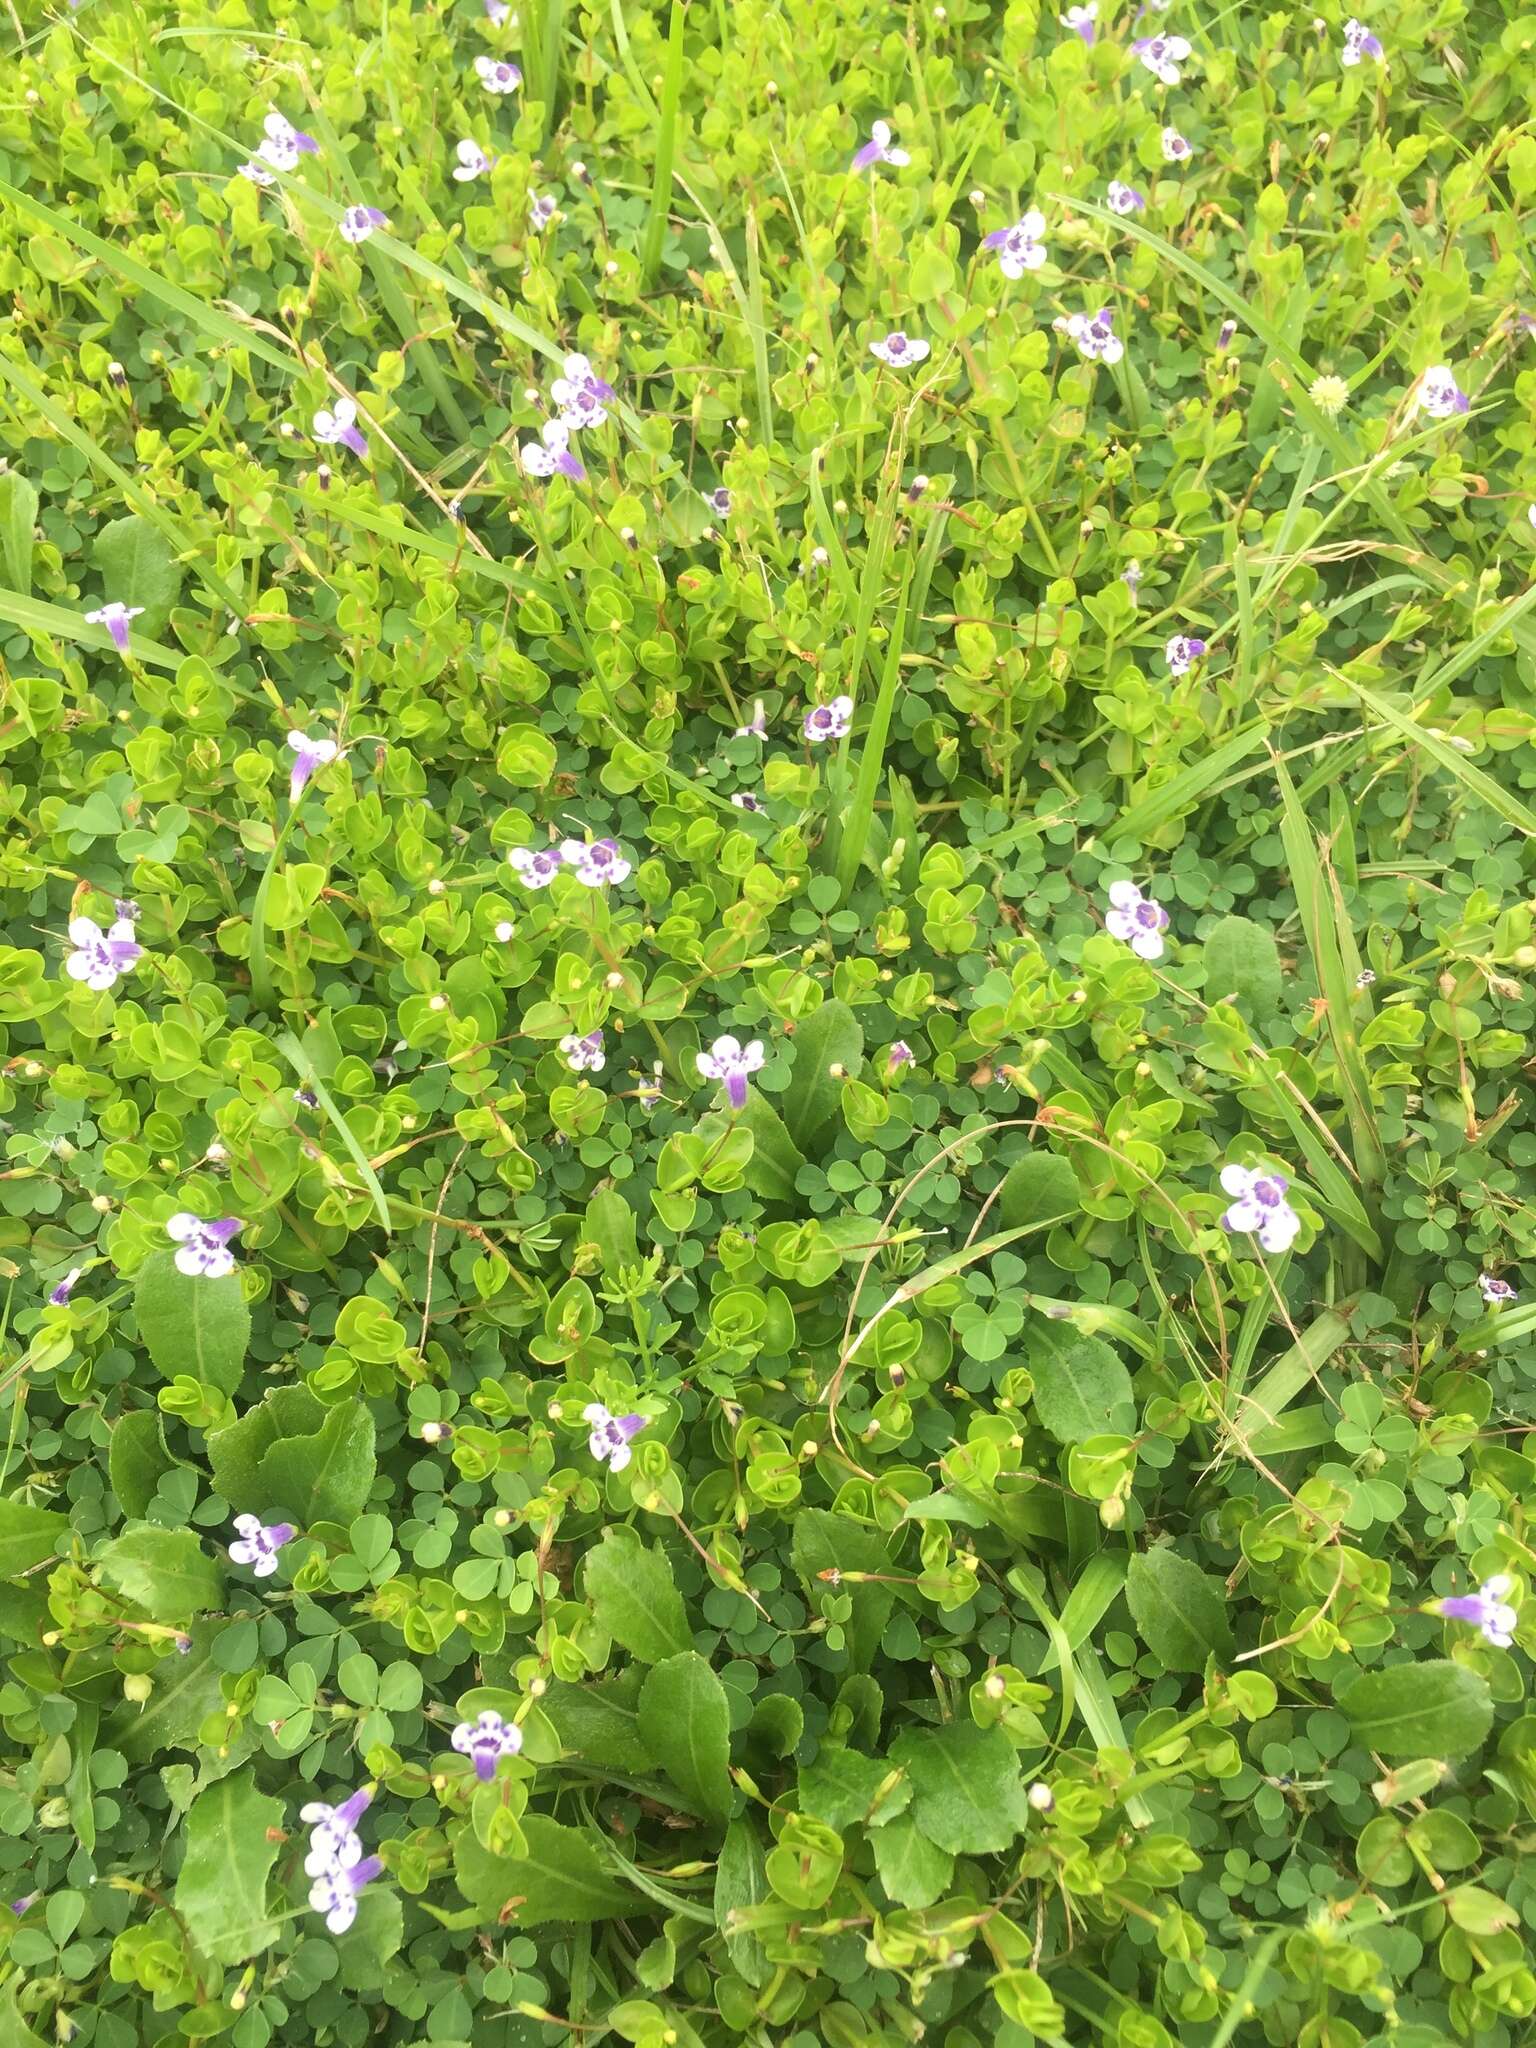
(843,1788)
(831,1036)
(1040,1188)
(610,1225)
(685,1721)
(233,1838)
(191,1324)
(1434,1709)
(967,1789)
(235,1453)
(326,1477)
(600,1723)
(635,1597)
(776,1159)
(1180,1611)
(915,1871)
(1242,966)
(137,566)
(1081,1388)
(375,1936)
(186,1690)
(29,1536)
(561,1876)
(825,1542)
(18,517)
(164,1571)
(137,1459)
(14,2031)
(741,1880)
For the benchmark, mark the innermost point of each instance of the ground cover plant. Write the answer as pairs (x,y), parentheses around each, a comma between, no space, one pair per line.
(766,989)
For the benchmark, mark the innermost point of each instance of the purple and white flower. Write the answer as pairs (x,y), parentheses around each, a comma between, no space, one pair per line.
(757,730)
(308,755)
(472,161)
(825,722)
(611,1435)
(1019,248)
(497,12)
(257,173)
(359,222)
(1094,335)
(1438,394)
(598,864)
(541,211)
(730,1061)
(336,427)
(486,1741)
(497,75)
(1259,1206)
(745,800)
(334,1843)
(1122,199)
(536,867)
(1358,43)
(1182,652)
(584,1055)
(1487,1609)
(900,1055)
(899,351)
(581,395)
(1130,576)
(1224,334)
(554,457)
(719,501)
(1082,21)
(259,1543)
(1495,1291)
(282,144)
(66,1287)
(1162,56)
(1175,149)
(101,956)
(879,150)
(125,906)
(335,1894)
(204,1247)
(1136,920)
(115,617)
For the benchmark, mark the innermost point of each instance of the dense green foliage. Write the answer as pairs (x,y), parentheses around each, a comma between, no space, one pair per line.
(1013,1613)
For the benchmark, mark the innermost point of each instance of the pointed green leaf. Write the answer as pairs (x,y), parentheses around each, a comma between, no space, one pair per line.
(685,1722)
(191,1324)
(1180,1611)
(967,1789)
(29,1536)
(1081,1388)
(1434,1709)
(1242,965)
(326,1477)
(137,1459)
(233,1837)
(635,1597)
(164,1571)
(18,517)
(741,1880)
(830,1037)
(561,1876)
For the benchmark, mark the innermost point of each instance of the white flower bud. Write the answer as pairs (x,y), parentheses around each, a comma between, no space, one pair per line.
(1040,1796)
(436,886)
(437,1003)
(506,931)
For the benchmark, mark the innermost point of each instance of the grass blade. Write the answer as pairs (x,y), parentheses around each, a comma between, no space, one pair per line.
(303,1066)
(1322,916)
(1473,779)
(666,144)
(33,616)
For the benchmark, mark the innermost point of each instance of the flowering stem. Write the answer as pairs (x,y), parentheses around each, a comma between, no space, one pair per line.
(261,980)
